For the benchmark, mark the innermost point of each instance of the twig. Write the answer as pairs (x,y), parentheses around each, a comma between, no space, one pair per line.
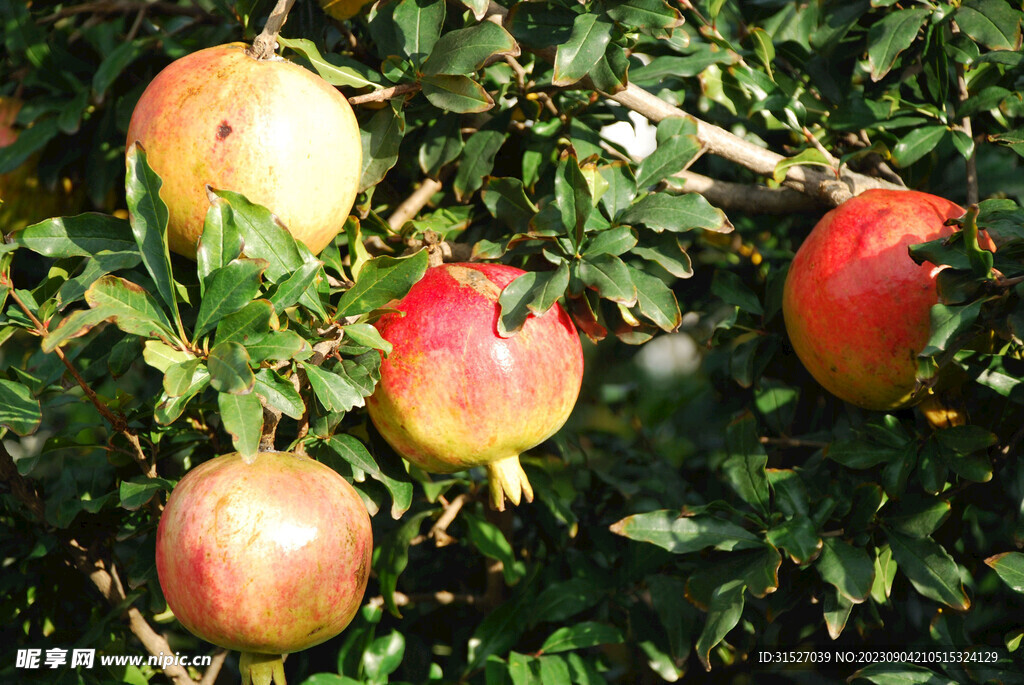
(124,7)
(384,93)
(265,44)
(412,205)
(104,577)
(442,597)
(971,163)
(748,198)
(438,531)
(213,670)
(117,422)
(793,442)
(809,180)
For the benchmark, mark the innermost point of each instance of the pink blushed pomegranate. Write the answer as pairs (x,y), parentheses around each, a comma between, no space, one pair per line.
(454,394)
(268,557)
(857,306)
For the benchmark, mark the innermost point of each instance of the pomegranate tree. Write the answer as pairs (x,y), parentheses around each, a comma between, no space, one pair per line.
(454,394)
(856,305)
(268,129)
(267,557)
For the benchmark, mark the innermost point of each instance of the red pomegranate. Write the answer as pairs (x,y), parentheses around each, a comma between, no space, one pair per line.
(856,305)
(454,394)
(268,557)
(269,129)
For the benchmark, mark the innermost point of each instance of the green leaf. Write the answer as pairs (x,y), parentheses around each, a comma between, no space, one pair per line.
(572,196)
(836,609)
(76,325)
(491,542)
(900,674)
(994,24)
(77,236)
(723,614)
(246,326)
(464,51)
(279,393)
(917,515)
(621,187)
(948,323)
(656,300)
(149,225)
(368,336)
(381,137)
(885,573)
(335,390)
(673,153)
(114,63)
(506,200)
(892,35)
(335,74)
(138,491)
(965,439)
(381,280)
(383,656)
(293,288)
(181,377)
(161,356)
(609,276)
(220,242)
(19,411)
(231,287)
(355,453)
(533,292)
(612,241)
(580,636)
(856,453)
(540,24)
(917,144)
(442,144)
(456,93)
(478,155)
(418,26)
(646,14)
(930,569)
(131,308)
(745,465)
(586,45)
(681,535)
(228,364)
(668,212)
(789,491)
(242,418)
(732,290)
(799,537)
(1010,567)
(809,157)
(846,567)
(100,264)
(277,345)
(393,557)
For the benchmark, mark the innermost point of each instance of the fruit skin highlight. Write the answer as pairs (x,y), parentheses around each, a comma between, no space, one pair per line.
(268,557)
(268,129)
(856,306)
(453,394)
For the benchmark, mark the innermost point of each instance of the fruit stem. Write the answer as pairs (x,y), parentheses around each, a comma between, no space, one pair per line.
(265,44)
(507,479)
(261,669)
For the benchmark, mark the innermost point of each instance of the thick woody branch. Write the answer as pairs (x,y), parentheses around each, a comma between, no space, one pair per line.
(813,181)
(748,198)
(384,93)
(412,205)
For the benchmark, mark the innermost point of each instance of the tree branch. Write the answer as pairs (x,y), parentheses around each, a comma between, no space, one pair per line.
(265,44)
(811,181)
(412,205)
(748,198)
(103,577)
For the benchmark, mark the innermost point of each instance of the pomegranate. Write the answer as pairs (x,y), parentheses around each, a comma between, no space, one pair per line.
(454,394)
(269,129)
(267,557)
(856,306)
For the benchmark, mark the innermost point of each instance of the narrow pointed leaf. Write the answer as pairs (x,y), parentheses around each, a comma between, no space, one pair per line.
(242,417)
(231,287)
(77,236)
(381,280)
(228,364)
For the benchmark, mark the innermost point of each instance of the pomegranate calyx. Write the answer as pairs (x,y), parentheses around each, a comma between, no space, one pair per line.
(261,669)
(506,478)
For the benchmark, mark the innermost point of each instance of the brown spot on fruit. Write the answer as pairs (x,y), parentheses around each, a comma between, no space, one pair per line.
(475,280)
(223,131)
